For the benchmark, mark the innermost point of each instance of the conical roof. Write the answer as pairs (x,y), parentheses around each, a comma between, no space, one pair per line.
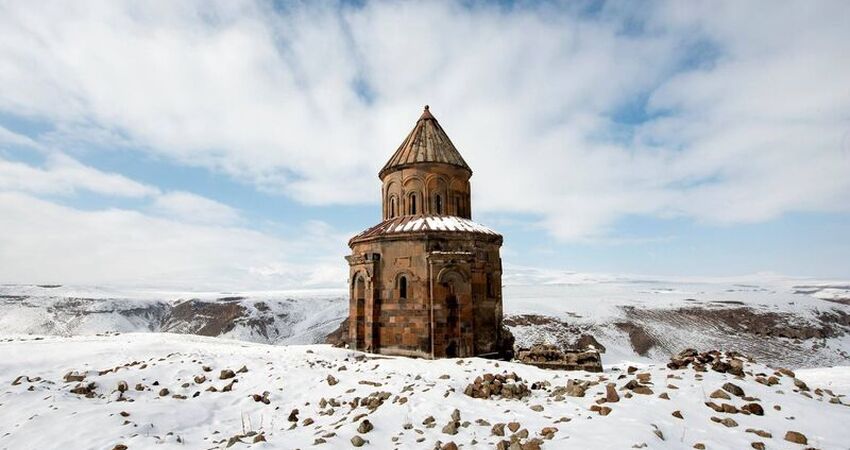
(426,143)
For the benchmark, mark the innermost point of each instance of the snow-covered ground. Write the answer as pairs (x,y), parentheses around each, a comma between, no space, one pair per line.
(40,411)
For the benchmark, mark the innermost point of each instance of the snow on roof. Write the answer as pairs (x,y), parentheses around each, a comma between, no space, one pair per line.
(412,224)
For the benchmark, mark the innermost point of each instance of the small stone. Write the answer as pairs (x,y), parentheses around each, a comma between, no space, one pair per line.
(163,392)
(758,445)
(199,379)
(753,408)
(498,429)
(226,374)
(733,389)
(293,416)
(357,441)
(796,437)
(548,432)
(760,433)
(699,446)
(449,446)
(720,394)
(537,408)
(513,426)
(365,426)
(331,380)
(678,414)
(611,395)
(728,422)
(450,428)
(122,386)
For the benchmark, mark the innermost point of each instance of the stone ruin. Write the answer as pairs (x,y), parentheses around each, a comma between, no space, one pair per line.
(547,356)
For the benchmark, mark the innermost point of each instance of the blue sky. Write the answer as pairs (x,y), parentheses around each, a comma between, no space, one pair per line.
(236,144)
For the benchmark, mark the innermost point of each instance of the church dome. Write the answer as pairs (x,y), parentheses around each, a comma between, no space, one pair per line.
(426,143)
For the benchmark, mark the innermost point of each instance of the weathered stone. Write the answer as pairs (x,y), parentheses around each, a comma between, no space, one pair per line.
(733,389)
(551,357)
(611,395)
(720,394)
(226,374)
(365,427)
(796,437)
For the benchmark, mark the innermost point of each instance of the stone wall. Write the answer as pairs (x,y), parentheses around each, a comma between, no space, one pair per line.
(467,308)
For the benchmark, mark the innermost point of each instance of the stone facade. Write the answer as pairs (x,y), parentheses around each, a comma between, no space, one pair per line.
(426,281)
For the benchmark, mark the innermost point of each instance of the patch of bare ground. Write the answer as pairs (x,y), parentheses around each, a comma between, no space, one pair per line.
(642,342)
(203,318)
(778,337)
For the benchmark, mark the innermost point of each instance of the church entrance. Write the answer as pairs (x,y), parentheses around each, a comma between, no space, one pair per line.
(360,315)
(452,326)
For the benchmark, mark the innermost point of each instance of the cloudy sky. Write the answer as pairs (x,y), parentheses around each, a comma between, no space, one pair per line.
(237,144)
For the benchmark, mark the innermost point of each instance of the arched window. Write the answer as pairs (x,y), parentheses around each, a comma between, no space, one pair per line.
(457,206)
(438,204)
(413,204)
(392,207)
(402,287)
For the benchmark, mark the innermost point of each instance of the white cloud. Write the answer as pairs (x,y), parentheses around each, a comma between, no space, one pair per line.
(194,208)
(43,242)
(63,175)
(531,96)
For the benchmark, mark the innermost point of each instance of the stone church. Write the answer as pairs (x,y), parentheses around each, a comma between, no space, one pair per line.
(426,281)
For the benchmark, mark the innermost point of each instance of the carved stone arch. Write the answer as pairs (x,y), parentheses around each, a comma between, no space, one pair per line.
(392,190)
(452,273)
(397,285)
(458,197)
(413,186)
(436,190)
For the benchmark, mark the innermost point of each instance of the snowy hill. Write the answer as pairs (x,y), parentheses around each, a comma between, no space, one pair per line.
(778,320)
(283,317)
(183,391)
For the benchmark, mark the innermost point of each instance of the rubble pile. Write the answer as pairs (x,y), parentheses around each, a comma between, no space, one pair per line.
(548,356)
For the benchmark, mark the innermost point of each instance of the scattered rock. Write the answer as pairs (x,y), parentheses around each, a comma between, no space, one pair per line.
(357,441)
(498,429)
(293,416)
(226,374)
(753,408)
(733,389)
(678,414)
(611,395)
(796,437)
(720,394)
(365,426)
